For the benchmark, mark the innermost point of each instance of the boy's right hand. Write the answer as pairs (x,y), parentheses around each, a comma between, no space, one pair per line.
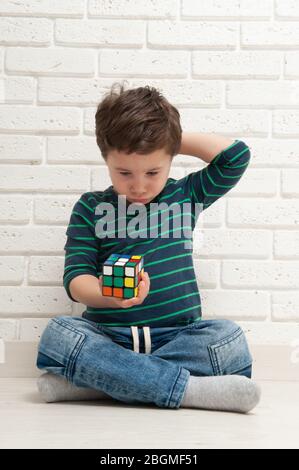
(143,290)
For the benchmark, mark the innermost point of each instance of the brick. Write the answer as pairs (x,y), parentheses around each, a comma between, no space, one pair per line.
(290,186)
(73,150)
(2,91)
(207,273)
(34,301)
(20,90)
(89,92)
(45,270)
(231,243)
(235,304)
(8,329)
(260,213)
(260,274)
(213,217)
(143,63)
(262,94)
(28,239)
(181,34)
(226,10)
(285,123)
(15,209)
(25,31)
(31,329)
(274,153)
(285,306)
(142,9)
(100,33)
(89,121)
(44,179)
(273,34)
(226,121)
(287,10)
(184,92)
(79,91)
(21,149)
(268,332)
(286,245)
(53,209)
(100,178)
(243,64)
(59,61)
(11,270)
(43,119)
(43,8)
(291,64)
(256,183)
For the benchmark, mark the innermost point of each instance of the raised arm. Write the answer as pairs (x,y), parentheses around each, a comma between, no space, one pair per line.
(222,173)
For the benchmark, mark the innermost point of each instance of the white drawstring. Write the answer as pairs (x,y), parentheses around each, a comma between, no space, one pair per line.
(147,339)
(135,335)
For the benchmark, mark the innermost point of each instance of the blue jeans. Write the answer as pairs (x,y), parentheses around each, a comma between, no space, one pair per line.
(94,356)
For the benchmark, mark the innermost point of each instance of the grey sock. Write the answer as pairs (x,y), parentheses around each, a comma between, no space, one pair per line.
(54,387)
(222,392)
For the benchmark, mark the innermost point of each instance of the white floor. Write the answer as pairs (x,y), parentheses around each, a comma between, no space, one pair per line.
(27,422)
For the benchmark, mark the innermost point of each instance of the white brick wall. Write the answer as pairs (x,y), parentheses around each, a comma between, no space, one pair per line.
(230,67)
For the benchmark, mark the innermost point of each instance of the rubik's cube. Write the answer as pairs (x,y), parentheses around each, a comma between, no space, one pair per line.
(122,275)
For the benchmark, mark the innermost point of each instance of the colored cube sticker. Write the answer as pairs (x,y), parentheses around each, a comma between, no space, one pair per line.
(122,275)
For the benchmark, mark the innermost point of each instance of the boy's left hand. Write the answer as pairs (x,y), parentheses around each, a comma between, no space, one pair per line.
(143,290)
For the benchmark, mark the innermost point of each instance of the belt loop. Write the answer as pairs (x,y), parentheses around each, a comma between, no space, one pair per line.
(147,339)
(134,331)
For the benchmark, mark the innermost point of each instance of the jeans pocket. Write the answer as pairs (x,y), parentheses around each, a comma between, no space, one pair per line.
(231,354)
(45,362)
(59,346)
(247,372)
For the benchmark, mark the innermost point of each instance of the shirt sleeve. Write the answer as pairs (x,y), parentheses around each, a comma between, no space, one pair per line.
(82,246)
(219,176)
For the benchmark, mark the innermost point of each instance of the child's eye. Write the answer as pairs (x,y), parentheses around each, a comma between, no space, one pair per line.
(152,173)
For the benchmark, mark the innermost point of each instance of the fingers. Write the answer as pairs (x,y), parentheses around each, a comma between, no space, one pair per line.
(129,302)
(125,303)
(143,289)
(145,279)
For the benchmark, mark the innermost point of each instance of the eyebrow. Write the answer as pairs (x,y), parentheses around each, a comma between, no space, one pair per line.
(124,169)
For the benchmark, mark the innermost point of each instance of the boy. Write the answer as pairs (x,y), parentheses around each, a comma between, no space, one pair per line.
(181,360)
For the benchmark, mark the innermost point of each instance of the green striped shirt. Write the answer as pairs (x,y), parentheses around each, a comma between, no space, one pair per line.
(173,299)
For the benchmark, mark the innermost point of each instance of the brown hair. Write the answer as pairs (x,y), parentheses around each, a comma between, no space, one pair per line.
(139,120)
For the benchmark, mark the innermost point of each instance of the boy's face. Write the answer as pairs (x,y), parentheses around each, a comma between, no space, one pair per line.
(139,177)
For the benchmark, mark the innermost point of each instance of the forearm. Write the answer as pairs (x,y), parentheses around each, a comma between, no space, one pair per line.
(86,290)
(203,146)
